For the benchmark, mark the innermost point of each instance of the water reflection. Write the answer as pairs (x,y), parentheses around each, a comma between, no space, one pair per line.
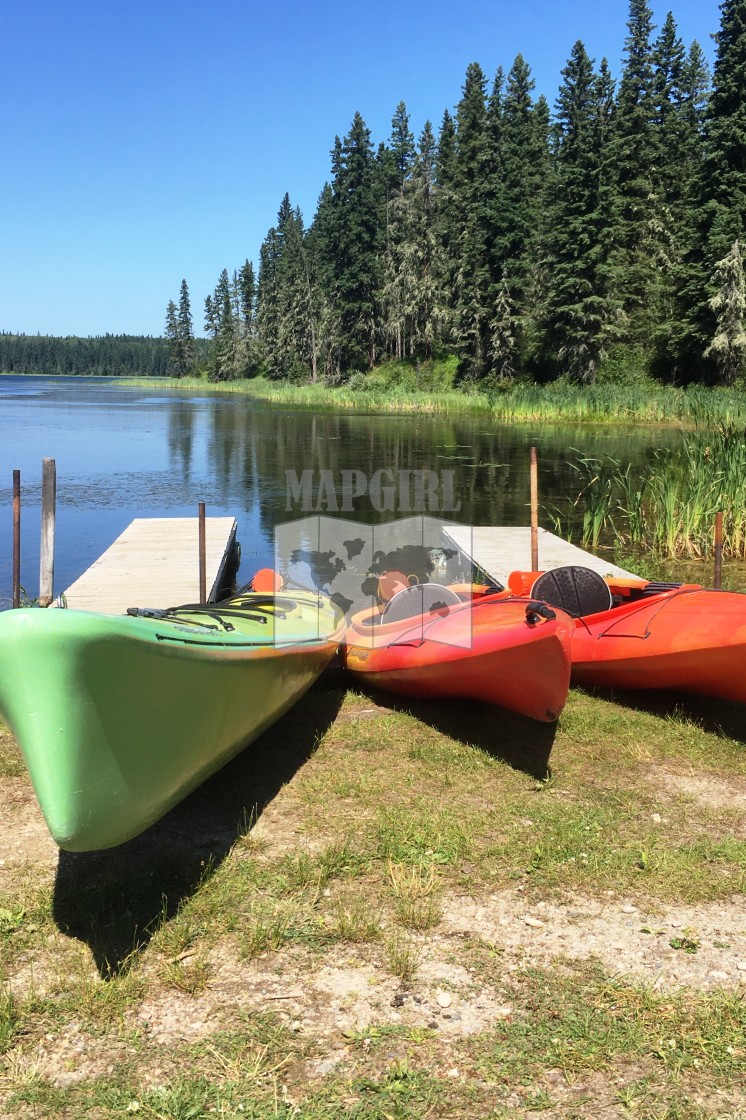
(123,453)
(181,437)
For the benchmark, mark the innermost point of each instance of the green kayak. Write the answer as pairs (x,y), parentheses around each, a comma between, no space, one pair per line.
(119,718)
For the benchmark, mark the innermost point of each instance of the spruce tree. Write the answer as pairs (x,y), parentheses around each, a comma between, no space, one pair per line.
(728,347)
(226,358)
(356,236)
(401,145)
(725,170)
(268,300)
(473,286)
(187,349)
(524,167)
(211,318)
(503,351)
(635,153)
(172,337)
(424,257)
(494,177)
(320,247)
(681,88)
(397,277)
(447,218)
(247,288)
(577,309)
(720,218)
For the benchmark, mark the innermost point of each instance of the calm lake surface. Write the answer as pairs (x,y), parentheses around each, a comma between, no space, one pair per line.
(123,453)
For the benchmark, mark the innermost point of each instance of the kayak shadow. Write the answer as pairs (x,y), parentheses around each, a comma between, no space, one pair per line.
(524,744)
(114,900)
(725,718)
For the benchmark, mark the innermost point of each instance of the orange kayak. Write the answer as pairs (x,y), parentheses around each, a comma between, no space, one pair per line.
(650,636)
(433,642)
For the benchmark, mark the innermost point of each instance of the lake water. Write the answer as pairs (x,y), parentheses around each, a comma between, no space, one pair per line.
(123,453)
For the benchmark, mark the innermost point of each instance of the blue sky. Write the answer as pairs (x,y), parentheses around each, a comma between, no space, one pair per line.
(146,142)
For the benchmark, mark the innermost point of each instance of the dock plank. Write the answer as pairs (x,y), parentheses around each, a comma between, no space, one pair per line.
(500,550)
(154,563)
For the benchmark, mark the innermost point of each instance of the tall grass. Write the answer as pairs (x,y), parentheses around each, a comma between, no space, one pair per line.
(400,388)
(668,507)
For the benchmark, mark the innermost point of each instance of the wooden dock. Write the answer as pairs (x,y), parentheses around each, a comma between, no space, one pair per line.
(155,563)
(499,550)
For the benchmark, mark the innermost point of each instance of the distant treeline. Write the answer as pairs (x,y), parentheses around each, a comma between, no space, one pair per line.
(103,356)
(603,236)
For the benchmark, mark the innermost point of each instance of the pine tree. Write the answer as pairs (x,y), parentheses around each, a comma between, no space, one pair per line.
(172,337)
(728,347)
(578,309)
(473,287)
(180,335)
(427,304)
(227,360)
(524,167)
(494,176)
(247,289)
(726,129)
(447,217)
(211,318)
(635,152)
(720,217)
(288,304)
(401,145)
(396,169)
(356,236)
(320,247)
(187,350)
(682,88)
(504,356)
(413,268)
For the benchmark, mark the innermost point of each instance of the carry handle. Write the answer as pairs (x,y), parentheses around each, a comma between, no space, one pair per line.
(536,610)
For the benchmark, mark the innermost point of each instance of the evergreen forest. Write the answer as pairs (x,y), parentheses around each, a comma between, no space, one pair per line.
(599,238)
(105,356)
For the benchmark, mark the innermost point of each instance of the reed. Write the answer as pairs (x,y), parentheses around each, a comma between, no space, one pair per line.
(668,507)
(388,390)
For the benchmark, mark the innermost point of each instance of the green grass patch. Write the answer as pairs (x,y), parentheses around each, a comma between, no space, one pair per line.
(11,759)
(397,813)
(403,387)
(576,1019)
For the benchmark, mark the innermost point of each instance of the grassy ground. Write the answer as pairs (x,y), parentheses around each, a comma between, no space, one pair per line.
(381,911)
(559,402)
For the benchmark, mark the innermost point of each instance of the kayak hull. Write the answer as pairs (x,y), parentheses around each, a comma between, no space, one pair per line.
(688,640)
(681,637)
(118,719)
(484,650)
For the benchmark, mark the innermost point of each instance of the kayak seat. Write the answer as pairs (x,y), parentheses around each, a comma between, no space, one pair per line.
(420,599)
(577,590)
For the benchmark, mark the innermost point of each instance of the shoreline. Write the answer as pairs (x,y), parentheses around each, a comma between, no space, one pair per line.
(633,406)
(659,406)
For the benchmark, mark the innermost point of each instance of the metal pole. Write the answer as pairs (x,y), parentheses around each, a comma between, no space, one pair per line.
(202,555)
(718,551)
(48,513)
(16,538)
(534,474)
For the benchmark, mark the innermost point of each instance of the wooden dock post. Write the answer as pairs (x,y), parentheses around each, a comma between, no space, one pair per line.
(202,555)
(534,473)
(717,581)
(48,515)
(16,539)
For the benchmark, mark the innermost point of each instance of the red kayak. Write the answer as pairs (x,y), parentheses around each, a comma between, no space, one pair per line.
(430,641)
(640,635)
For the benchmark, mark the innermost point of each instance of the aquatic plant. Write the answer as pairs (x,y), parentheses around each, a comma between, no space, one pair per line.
(667,507)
